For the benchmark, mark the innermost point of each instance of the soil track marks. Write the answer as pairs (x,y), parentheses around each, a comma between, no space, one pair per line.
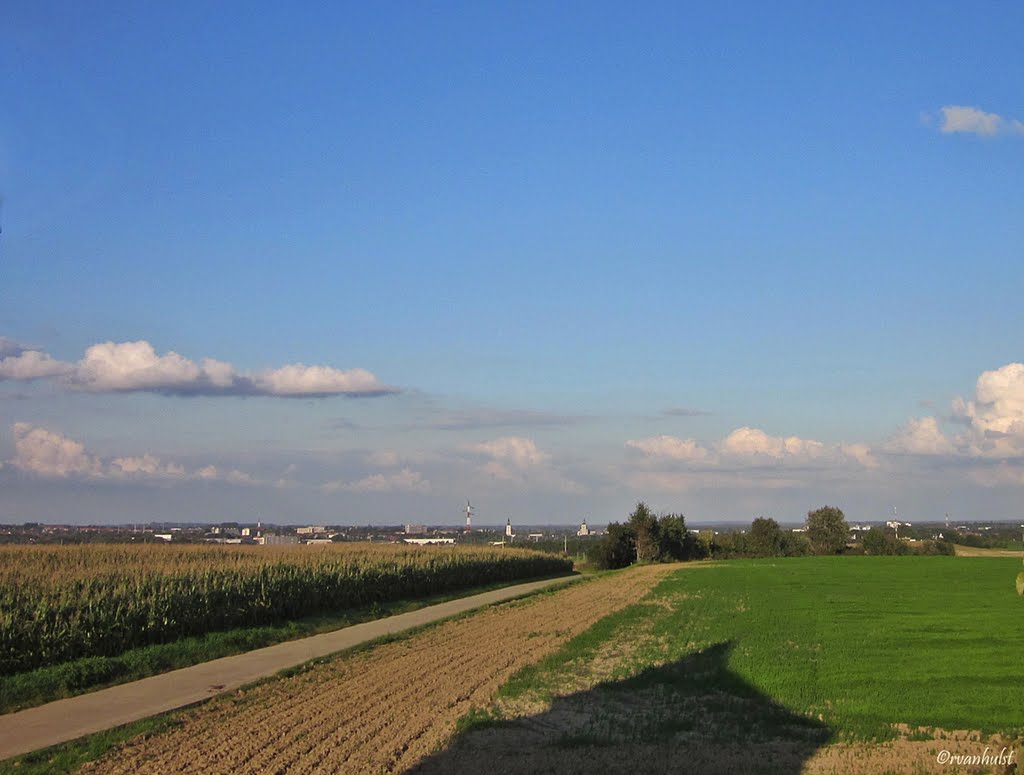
(384,709)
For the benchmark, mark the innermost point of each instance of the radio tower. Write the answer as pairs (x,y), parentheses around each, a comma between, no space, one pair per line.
(469,517)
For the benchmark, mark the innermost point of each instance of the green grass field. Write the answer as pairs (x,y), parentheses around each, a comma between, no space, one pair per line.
(860,643)
(865,642)
(762,665)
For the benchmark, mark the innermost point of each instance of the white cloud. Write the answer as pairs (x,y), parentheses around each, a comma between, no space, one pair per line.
(514,450)
(49,454)
(137,367)
(52,455)
(748,447)
(211,473)
(32,364)
(995,417)
(126,366)
(405,480)
(968,120)
(316,381)
(669,447)
(755,443)
(920,436)
(146,466)
(518,460)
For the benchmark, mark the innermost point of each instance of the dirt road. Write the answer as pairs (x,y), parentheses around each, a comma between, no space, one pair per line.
(384,709)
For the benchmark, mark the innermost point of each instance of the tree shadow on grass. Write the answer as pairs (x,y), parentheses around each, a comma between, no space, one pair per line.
(689,716)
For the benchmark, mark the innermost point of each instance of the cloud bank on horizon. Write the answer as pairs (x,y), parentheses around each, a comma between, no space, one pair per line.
(51,455)
(990,444)
(127,367)
(986,443)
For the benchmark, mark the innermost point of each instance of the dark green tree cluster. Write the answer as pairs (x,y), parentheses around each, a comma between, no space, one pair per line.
(645,538)
(882,541)
(764,539)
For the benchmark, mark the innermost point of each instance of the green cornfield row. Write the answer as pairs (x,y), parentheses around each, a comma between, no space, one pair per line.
(59,603)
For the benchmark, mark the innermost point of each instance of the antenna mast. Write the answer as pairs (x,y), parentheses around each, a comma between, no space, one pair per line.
(469,517)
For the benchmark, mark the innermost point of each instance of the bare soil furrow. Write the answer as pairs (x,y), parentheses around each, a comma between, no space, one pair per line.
(381,710)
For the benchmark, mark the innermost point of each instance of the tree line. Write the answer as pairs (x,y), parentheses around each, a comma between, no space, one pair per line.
(645,537)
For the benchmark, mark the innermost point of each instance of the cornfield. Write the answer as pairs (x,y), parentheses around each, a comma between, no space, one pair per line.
(59,603)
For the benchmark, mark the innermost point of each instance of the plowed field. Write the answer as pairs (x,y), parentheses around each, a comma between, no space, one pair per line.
(384,709)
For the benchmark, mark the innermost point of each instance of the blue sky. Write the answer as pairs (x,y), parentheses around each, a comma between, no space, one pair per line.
(575,246)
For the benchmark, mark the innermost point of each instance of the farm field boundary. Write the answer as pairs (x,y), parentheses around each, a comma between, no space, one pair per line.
(68,719)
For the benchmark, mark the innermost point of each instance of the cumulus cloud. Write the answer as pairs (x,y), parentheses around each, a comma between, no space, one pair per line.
(744,449)
(23,363)
(127,366)
(861,453)
(963,119)
(669,447)
(920,436)
(995,417)
(52,455)
(516,459)
(137,367)
(405,480)
(146,466)
(299,380)
(48,454)
(515,450)
(754,442)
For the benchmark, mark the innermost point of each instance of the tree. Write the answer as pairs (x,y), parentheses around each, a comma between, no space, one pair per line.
(616,549)
(646,534)
(678,543)
(875,542)
(794,545)
(827,530)
(765,537)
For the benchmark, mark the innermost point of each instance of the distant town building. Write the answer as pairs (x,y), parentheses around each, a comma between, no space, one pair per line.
(311,530)
(584,530)
(428,541)
(271,539)
(415,530)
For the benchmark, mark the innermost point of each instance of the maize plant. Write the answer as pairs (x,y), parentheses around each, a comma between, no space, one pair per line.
(59,603)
